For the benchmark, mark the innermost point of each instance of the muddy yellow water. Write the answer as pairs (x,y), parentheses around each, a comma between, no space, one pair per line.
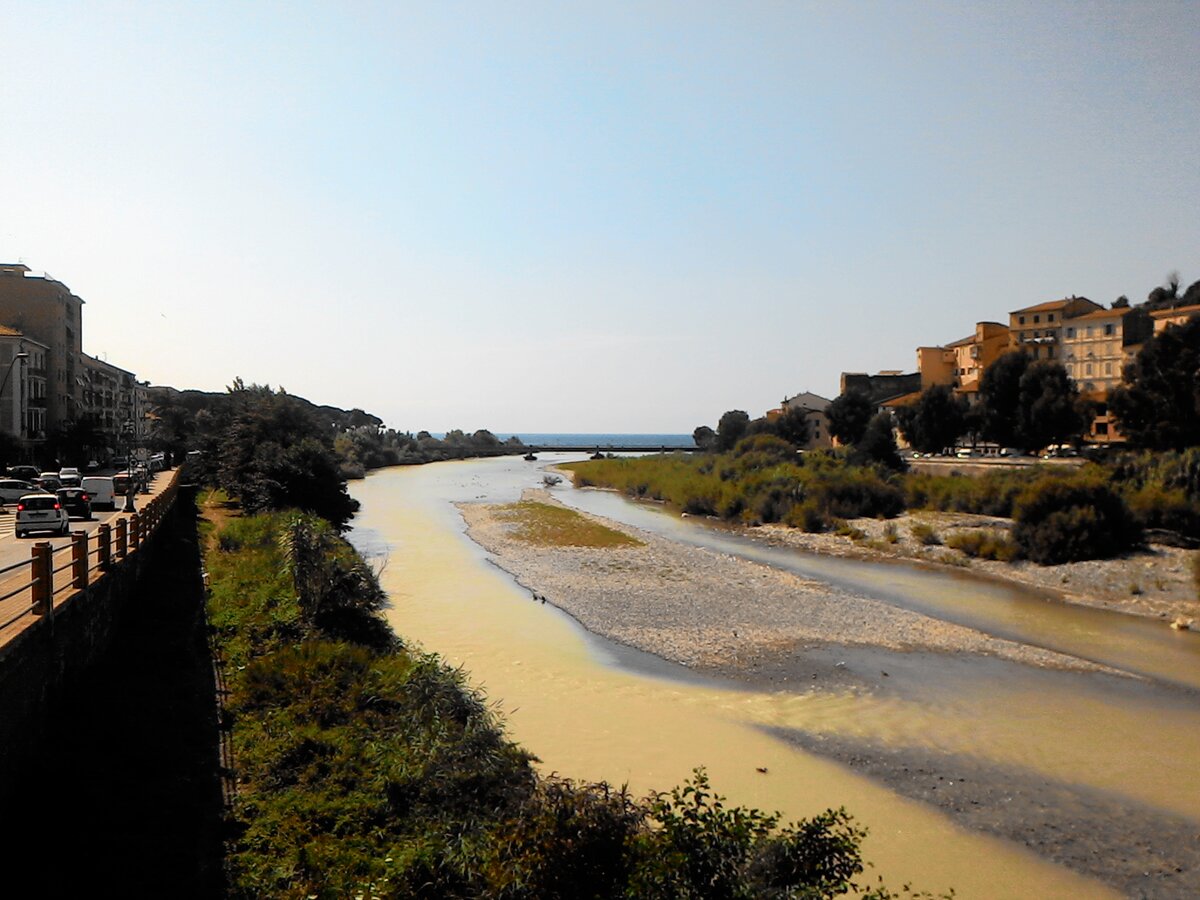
(588,719)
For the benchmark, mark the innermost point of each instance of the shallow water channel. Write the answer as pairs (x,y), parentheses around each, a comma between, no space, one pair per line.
(593,710)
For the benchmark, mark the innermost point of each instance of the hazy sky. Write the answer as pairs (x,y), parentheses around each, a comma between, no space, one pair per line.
(586,216)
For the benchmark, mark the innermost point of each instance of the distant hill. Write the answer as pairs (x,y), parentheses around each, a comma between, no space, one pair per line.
(195,401)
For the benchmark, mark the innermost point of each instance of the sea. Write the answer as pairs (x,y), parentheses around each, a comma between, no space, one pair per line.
(650,441)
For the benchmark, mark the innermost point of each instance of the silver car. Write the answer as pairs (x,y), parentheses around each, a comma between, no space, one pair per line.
(13,489)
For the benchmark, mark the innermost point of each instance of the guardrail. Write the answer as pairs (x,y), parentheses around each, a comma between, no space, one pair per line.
(85,560)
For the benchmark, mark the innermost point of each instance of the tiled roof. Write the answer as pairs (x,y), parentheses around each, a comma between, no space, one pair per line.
(10,332)
(1102,314)
(1192,310)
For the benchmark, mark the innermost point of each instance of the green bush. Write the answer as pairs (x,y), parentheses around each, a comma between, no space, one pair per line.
(1059,520)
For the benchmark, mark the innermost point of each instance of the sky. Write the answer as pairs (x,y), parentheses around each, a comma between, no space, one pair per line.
(586,217)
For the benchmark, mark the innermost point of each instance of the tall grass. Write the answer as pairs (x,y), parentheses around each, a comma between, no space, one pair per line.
(752,486)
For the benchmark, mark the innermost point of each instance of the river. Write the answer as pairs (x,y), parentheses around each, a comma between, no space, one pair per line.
(593,710)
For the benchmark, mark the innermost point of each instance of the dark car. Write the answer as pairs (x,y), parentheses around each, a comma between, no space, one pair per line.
(24,473)
(76,501)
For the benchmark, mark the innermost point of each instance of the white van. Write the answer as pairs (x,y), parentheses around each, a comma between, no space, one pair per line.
(100,489)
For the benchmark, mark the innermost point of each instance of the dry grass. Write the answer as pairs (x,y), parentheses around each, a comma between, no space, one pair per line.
(556,526)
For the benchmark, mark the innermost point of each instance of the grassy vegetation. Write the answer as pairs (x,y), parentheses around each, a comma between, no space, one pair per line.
(984,545)
(556,526)
(367,769)
(1059,514)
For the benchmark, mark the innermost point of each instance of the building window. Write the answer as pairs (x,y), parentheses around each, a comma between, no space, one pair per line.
(1101,428)
(1070,332)
(1050,318)
(1108,368)
(1108,329)
(1089,331)
(1020,320)
(1088,369)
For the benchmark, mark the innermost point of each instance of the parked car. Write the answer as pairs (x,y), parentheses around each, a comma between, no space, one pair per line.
(41,512)
(966,453)
(76,501)
(12,489)
(1010,451)
(102,491)
(24,473)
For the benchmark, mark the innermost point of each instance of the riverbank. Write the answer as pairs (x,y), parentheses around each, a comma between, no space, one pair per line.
(772,630)
(1155,583)
(709,610)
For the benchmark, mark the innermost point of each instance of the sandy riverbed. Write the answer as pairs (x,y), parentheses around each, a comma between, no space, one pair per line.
(705,609)
(770,629)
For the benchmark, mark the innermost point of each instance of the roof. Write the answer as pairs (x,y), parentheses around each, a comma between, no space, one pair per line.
(1193,310)
(1104,314)
(902,400)
(961,342)
(6,331)
(1051,305)
(806,400)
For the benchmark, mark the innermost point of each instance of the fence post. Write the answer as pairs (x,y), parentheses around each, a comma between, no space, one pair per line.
(135,530)
(43,574)
(79,560)
(104,545)
(122,537)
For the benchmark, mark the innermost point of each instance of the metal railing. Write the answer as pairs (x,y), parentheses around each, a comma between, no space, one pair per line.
(53,575)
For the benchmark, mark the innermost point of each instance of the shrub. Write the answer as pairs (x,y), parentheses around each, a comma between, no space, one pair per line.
(809,517)
(1059,520)
(842,528)
(924,534)
(1196,572)
(890,534)
(984,545)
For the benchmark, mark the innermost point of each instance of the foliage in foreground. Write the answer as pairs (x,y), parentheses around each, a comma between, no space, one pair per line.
(366,768)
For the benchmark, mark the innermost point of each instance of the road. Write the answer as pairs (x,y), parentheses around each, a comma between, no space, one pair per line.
(14,551)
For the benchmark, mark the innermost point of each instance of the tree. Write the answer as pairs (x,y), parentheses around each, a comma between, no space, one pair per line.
(936,421)
(731,429)
(704,437)
(1049,407)
(878,443)
(273,451)
(848,416)
(1158,403)
(1000,398)
(792,426)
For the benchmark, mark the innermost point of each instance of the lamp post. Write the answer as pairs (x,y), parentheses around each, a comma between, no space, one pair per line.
(8,374)
(127,429)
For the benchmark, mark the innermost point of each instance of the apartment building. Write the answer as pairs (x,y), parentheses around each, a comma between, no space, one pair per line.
(960,364)
(45,311)
(814,407)
(22,387)
(109,400)
(1038,329)
(1096,347)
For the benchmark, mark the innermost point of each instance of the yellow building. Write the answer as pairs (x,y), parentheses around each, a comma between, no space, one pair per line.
(1177,316)
(960,364)
(1038,330)
(1096,348)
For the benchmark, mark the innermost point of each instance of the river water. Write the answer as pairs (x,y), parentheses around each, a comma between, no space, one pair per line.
(593,710)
